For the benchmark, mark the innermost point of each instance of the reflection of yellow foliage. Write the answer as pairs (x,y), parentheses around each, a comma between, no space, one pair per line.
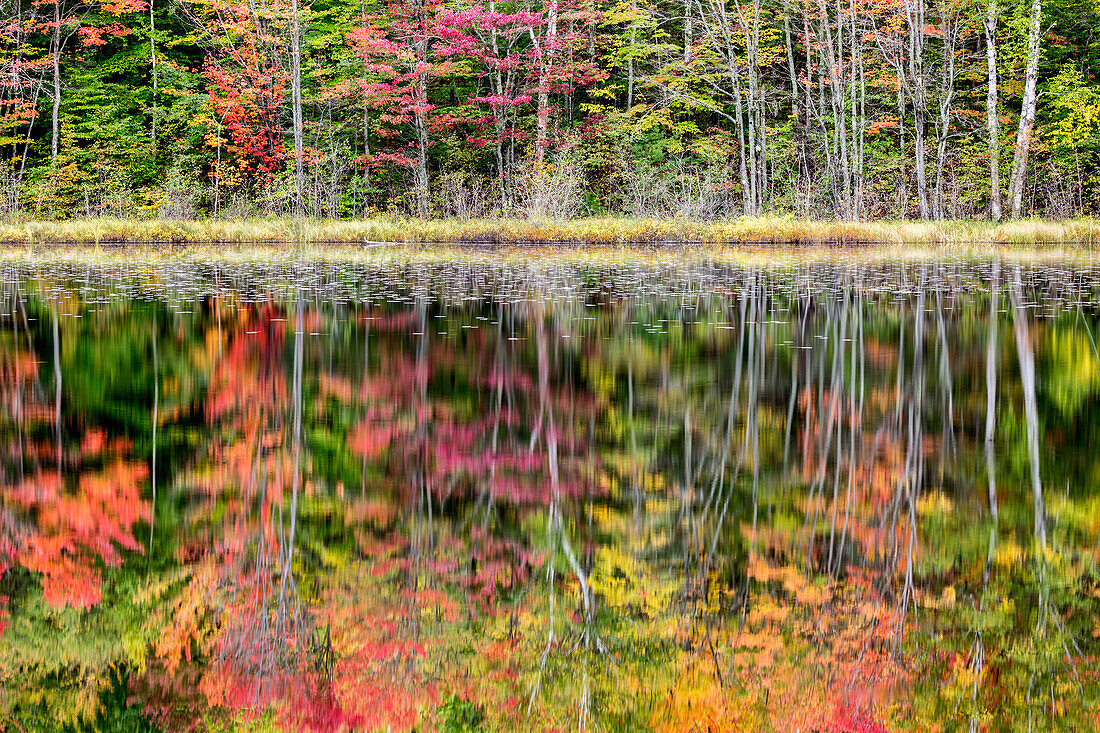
(622,579)
(767,610)
(933,503)
(793,580)
(1009,553)
(1075,373)
(699,703)
(1081,514)
(929,600)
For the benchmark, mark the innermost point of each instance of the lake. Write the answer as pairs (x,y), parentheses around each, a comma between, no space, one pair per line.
(842,494)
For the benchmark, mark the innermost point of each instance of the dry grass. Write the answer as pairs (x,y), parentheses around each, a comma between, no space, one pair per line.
(590,231)
(532,258)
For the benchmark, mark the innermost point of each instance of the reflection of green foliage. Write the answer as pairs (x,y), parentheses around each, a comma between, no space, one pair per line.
(455,715)
(60,665)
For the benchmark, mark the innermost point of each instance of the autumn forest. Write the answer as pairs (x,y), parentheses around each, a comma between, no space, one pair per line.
(468,109)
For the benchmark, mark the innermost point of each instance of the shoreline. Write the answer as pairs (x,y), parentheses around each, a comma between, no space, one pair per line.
(383,233)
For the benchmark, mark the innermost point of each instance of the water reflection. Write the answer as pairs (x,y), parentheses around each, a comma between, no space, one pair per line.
(831,497)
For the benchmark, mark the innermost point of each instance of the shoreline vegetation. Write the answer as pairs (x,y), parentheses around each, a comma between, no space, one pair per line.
(592,232)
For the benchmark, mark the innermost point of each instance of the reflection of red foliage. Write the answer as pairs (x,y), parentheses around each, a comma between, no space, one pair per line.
(457,449)
(73,529)
(64,524)
(240,605)
(372,437)
(848,719)
(263,645)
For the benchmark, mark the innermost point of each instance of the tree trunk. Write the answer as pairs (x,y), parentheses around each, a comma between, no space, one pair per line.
(1027,109)
(547,51)
(990,25)
(742,169)
(296,101)
(366,117)
(499,115)
(921,167)
(752,133)
(833,52)
(153,70)
(630,58)
(859,112)
(947,99)
(903,176)
(914,11)
(421,124)
(688,30)
(55,49)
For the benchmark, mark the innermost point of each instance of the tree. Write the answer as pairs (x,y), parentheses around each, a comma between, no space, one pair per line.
(989,27)
(401,47)
(73,18)
(1027,109)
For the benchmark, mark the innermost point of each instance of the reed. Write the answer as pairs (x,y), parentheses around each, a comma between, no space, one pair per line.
(594,231)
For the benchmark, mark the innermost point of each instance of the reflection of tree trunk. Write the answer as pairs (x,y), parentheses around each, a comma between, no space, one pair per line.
(551,514)
(156,418)
(218,309)
(991,359)
(57,387)
(831,426)
(836,391)
(557,537)
(498,414)
(297,448)
(752,423)
(946,384)
(1031,411)
(420,478)
(796,351)
(912,474)
(856,411)
(366,383)
(635,489)
(719,481)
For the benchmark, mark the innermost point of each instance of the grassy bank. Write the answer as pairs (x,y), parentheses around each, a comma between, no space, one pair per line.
(595,231)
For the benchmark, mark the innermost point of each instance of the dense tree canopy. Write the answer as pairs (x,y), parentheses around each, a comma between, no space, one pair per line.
(465,108)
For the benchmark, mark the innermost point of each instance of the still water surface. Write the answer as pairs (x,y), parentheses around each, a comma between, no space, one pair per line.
(685,497)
